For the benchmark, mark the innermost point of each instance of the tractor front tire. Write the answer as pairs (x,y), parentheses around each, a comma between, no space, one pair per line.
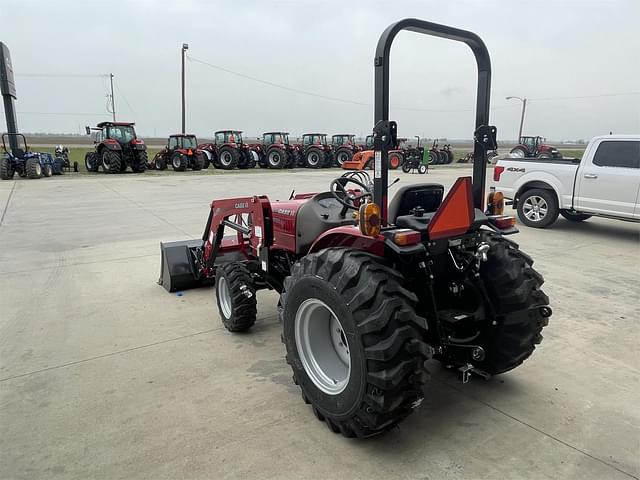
(91,162)
(111,162)
(178,162)
(521,308)
(353,341)
(33,168)
(6,169)
(236,296)
(343,155)
(47,170)
(314,158)
(277,158)
(228,158)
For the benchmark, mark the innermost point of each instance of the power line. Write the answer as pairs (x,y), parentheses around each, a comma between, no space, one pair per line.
(124,98)
(79,114)
(61,75)
(578,97)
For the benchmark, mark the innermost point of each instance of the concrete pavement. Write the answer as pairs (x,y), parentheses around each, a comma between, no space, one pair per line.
(103,374)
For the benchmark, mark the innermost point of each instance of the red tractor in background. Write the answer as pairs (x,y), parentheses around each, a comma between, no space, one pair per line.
(315,152)
(276,151)
(116,147)
(229,151)
(370,290)
(181,153)
(344,147)
(534,147)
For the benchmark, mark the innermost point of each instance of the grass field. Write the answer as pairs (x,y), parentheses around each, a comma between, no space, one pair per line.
(77,155)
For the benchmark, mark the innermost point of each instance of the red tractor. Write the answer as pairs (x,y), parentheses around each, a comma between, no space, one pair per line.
(276,151)
(181,153)
(229,151)
(116,147)
(368,291)
(315,152)
(344,147)
(534,147)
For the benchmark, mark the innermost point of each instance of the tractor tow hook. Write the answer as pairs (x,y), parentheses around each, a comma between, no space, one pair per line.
(466,370)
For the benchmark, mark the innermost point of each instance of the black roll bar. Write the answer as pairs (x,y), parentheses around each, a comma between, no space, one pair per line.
(385,131)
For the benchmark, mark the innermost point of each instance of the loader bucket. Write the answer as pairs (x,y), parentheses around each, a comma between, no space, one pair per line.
(177,270)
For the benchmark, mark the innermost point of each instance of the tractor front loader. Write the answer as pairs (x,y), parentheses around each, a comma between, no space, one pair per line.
(370,290)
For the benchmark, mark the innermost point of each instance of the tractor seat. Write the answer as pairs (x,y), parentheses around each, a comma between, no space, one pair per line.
(428,196)
(18,153)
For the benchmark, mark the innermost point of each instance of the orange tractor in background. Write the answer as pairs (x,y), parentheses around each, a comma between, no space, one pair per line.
(363,160)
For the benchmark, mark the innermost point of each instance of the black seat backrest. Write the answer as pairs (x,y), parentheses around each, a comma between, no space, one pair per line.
(425,195)
(18,153)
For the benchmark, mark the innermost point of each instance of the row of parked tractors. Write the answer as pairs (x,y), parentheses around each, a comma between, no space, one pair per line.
(117,147)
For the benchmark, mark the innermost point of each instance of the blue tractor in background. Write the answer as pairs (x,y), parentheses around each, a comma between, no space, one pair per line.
(25,163)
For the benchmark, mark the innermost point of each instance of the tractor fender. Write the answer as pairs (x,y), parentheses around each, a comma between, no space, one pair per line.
(349,237)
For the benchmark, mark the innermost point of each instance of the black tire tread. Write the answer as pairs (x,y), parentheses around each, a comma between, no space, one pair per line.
(244,312)
(513,287)
(389,329)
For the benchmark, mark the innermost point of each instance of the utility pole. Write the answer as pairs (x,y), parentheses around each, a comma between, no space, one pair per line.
(113,102)
(524,106)
(185,47)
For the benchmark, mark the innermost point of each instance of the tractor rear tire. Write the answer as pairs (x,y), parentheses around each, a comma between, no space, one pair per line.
(518,152)
(228,158)
(75,167)
(353,341)
(159,162)
(6,169)
(140,162)
(343,155)
(521,308)
(433,157)
(314,158)
(236,296)
(91,162)
(277,158)
(574,217)
(198,162)
(178,162)
(33,168)
(47,170)
(111,161)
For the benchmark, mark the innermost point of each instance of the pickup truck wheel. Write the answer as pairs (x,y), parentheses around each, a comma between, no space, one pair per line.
(538,208)
(574,216)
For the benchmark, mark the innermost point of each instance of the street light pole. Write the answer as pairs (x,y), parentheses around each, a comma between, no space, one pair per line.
(185,47)
(524,106)
(113,102)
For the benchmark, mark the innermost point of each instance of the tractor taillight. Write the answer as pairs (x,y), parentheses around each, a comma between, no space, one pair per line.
(369,219)
(503,222)
(497,171)
(406,237)
(456,214)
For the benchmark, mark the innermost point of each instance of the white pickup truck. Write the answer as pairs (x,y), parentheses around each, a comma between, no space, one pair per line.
(605,182)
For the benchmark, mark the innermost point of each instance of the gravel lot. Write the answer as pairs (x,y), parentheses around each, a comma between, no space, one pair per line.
(103,374)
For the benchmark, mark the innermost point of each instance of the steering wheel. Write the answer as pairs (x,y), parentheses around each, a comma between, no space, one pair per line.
(347,197)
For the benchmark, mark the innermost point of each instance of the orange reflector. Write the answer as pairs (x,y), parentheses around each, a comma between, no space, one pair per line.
(456,214)
(503,222)
(406,237)
(495,203)
(369,221)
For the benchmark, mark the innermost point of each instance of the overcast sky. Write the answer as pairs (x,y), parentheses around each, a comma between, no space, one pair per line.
(543,49)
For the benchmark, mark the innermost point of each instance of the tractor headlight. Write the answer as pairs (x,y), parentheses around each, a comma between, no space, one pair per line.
(369,219)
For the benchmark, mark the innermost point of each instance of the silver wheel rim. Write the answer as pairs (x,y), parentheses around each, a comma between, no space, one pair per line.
(176,162)
(342,158)
(225,159)
(535,208)
(224,297)
(254,156)
(38,169)
(105,162)
(274,158)
(517,153)
(322,346)
(313,158)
